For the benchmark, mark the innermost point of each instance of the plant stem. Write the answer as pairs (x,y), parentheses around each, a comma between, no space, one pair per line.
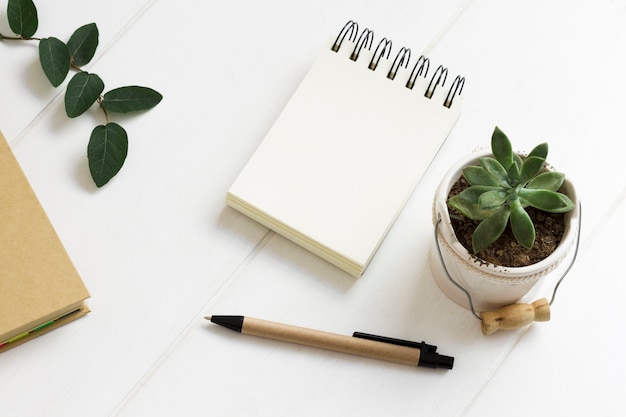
(17,38)
(106,114)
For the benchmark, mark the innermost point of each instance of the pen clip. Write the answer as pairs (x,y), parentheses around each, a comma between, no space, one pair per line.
(428,353)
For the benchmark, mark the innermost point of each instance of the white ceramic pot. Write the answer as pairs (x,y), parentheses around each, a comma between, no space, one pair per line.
(490,286)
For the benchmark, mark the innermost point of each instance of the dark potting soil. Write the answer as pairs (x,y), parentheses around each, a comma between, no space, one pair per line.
(549,229)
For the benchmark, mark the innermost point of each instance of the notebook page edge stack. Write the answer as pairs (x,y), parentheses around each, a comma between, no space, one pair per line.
(343,157)
(40,289)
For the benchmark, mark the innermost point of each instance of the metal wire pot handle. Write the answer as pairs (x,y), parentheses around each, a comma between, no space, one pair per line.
(515,315)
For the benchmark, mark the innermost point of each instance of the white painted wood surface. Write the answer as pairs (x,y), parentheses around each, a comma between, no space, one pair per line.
(159,249)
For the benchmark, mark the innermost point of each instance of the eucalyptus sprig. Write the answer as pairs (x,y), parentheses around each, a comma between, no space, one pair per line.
(501,189)
(108,143)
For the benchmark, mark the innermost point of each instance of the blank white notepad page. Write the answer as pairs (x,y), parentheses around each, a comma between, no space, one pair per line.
(339,163)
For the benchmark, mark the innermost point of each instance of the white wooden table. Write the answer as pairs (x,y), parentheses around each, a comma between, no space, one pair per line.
(159,249)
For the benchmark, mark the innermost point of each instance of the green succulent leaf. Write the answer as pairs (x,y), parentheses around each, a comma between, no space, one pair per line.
(530,168)
(476,175)
(492,199)
(490,229)
(501,148)
(83,43)
(22,17)
(466,202)
(551,181)
(522,225)
(472,194)
(540,151)
(83,90)
(55,60)
(496,170)
(550,201)
(106,151)
(514,171)
(130,99)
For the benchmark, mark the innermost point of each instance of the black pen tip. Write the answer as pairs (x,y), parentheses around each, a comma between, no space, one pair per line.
(230,322)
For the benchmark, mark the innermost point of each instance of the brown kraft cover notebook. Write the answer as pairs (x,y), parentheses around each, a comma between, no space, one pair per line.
(40,288)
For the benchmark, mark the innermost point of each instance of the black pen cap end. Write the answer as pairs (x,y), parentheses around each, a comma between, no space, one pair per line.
(435,360)
(446,362)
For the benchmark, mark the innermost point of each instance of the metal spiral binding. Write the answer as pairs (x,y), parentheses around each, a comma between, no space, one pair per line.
(421,66)
(404,53)
(386,46)
(365,40)
(442,72)
(455,89)
(350,29)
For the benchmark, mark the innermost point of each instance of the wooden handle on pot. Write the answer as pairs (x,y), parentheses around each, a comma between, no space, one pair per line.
(515,315)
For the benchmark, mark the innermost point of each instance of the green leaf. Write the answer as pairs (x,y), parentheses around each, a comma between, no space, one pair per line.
(55,60)
(83,43)
(478,176)
(496,170)
(540,151)
(551,181)
(522,225)
(129,99)
(466,202)
(106,151)
(546,200)
(490,229)
(22,16)
(492,199)
(501,148)
(531,167)
(82,91)
(514,171)
(473,193)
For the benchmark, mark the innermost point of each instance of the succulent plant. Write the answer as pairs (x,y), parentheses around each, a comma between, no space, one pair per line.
(501,189)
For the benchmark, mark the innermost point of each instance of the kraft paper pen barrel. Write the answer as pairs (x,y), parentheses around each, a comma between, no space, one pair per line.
(362,344)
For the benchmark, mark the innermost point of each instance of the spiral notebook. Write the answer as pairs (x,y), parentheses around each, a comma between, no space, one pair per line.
(340,162)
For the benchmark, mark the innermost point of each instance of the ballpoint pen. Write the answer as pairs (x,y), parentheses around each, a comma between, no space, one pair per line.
(362,344)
